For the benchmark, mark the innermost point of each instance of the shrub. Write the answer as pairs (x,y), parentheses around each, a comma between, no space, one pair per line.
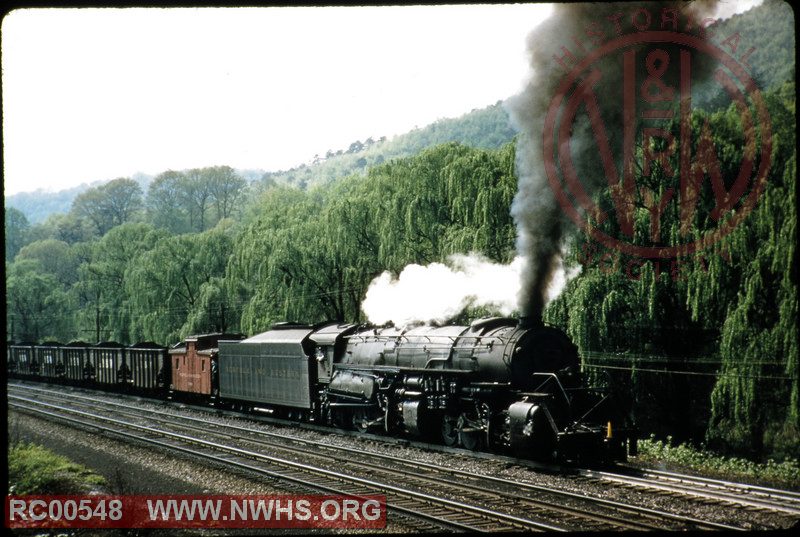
(786,472)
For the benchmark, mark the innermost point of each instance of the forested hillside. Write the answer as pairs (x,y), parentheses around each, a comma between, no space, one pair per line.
(709,345)
(708,351)
(487,128)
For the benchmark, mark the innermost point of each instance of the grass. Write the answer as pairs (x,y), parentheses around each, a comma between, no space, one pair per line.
(785,474)
(34,470)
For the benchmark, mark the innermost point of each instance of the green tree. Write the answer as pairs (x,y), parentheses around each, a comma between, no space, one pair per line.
(37,307)
(109,205)
(755,400)
(55,257)
(197,197)
(180,277)
(447,199)
(71,229)
(105,309)
(212,311)
(16,230)
(479,188)
(268,266)
(165,202)
(123,200)
(227,190)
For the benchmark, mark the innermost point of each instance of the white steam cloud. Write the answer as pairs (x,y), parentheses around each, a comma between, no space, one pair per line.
(439,292)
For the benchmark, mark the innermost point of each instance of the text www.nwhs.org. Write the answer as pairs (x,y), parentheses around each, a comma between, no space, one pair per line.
(272,509)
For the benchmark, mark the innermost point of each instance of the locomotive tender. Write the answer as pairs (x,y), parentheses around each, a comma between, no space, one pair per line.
(502,384)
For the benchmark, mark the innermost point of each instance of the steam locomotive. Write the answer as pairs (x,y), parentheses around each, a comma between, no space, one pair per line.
(500,384)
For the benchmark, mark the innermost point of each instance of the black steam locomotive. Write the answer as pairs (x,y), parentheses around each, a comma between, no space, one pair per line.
(500,384)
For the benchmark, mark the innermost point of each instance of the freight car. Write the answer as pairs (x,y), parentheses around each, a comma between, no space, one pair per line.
(143,368)
(194,367)
(74,356)
(107,366)
(22,360)
(146,368)
(48,357)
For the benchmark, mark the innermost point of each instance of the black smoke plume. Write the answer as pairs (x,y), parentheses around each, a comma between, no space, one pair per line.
(541,223)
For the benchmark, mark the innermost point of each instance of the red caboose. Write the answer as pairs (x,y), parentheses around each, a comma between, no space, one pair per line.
(194,365)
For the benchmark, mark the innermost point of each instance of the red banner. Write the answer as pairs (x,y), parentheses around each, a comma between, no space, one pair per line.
(212,511)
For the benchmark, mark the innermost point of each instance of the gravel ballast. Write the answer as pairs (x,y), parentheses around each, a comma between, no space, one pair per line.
(130,469)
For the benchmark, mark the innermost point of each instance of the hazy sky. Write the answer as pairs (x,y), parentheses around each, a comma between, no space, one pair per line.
(97,94)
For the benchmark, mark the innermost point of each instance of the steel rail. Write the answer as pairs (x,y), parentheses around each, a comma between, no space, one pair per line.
(701,488)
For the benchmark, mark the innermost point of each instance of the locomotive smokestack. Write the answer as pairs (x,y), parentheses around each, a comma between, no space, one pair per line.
(529,321)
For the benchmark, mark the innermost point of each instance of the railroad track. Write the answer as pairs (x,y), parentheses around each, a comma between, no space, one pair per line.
(705,489)
(445,482)
(437,512)
(471,502)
